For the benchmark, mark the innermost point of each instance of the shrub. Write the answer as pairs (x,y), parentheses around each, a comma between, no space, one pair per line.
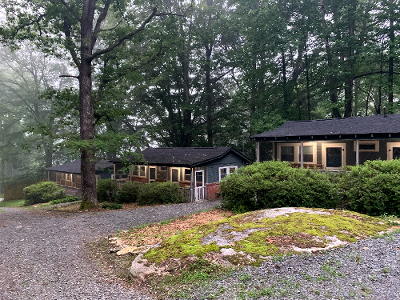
(111,206)
(373,188)
(159,193)
(276,184)
(129,192)
(107,190)
(65,200)
(42,192)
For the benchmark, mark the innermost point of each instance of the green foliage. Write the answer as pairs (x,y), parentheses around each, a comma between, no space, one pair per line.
(372,188)
(43,192)
(65,200)
(159,193)
(276,184)
(107,190)
(129,192)
(111,206)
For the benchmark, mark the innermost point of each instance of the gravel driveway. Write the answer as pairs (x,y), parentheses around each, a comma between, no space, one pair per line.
(43,257)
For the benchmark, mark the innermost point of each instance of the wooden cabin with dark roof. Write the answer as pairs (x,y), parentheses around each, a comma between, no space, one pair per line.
(197,169)
(332,143)
(69,176)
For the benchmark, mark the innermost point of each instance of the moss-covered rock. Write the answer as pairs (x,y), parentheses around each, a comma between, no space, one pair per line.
(262,234)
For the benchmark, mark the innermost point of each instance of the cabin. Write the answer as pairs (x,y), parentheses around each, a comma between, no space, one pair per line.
(331,144)
(69,175)
(198,170)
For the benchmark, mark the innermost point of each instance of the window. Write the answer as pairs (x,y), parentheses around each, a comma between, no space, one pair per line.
(308,154)
(393,150)
(287,153)
(139,171)
(224,171)
(367,146)
(162,173)
(187,175)
(291,152)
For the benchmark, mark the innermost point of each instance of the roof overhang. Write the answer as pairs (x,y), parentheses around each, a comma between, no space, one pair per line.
(369,136)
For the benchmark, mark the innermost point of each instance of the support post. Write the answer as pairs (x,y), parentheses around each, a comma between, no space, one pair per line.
(301,155)
(257,151)
(357,152)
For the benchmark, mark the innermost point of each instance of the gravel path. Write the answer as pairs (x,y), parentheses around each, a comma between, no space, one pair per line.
(369,269)
(43,256)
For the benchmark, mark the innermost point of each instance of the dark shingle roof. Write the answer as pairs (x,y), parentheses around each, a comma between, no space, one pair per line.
(74,167)
(186,156)
(378,124)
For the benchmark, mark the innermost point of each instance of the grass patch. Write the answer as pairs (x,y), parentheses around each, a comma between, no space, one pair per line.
(12,203)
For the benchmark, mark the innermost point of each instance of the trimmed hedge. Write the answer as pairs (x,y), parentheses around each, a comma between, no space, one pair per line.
(159,193)
(107,190)
(276,184)
(373,188)
(42,192)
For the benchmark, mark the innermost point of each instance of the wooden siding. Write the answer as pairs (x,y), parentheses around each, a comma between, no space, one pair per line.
(228,160)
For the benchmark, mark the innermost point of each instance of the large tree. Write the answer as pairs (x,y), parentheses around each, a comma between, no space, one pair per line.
(87,30)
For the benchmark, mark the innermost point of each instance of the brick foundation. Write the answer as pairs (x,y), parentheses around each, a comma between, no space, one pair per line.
(212,190)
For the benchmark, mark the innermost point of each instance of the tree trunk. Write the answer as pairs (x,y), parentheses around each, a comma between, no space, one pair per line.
(331,78)
(391,61)
(86,110)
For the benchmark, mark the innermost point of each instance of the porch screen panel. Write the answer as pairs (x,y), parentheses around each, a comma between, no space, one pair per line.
(199,179)
(396,152)
(287,153)
(152,173)
(333,157)
(175,175)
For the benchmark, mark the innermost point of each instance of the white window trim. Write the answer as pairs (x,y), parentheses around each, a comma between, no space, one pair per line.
(336,145)
(376,143)
(297,151)
(225,167)
(389,150)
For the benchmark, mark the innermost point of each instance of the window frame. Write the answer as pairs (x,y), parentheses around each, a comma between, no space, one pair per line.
(297,150)
(227,168)
(389,149)
(376,143)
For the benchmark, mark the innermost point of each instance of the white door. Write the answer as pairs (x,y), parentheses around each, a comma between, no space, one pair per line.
(199,190)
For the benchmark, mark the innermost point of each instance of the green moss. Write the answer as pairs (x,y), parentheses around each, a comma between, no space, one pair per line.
(296,229)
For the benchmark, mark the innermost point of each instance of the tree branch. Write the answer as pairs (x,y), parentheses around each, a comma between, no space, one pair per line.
(125,37)
(69,76)
(374,73)
(100,20)
(69,8)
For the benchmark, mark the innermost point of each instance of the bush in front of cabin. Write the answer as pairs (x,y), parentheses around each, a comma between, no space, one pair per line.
(159,193)
(42,192)
(129,192)
(372,188)
(107,190)
(276,184)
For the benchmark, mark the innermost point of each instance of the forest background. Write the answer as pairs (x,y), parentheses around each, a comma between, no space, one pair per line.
(201,73)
